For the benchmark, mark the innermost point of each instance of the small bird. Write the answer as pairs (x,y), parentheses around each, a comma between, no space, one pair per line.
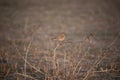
(90,38)
(60,38)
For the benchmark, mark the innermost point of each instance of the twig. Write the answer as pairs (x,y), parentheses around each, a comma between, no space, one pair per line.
(27,61)
(26,55)
(26,76)
(95,64)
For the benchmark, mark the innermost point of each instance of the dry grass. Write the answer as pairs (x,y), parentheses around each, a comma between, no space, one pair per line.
(79,57)
(65,61)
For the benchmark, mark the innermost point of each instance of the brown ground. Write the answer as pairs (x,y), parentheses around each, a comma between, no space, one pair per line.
(48,18)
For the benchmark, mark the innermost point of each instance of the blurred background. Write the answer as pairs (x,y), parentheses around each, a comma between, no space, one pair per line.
(75,18)
(21,20)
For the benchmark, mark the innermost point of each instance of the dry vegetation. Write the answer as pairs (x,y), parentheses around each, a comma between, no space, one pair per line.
(67,60)
(90,51)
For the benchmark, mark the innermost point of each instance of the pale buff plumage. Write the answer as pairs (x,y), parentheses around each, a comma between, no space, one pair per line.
(60,38)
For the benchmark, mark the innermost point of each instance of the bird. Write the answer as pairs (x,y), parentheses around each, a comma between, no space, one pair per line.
(90,38)
(60,37)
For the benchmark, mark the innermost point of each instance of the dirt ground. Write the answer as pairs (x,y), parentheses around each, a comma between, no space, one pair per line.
(19,19)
